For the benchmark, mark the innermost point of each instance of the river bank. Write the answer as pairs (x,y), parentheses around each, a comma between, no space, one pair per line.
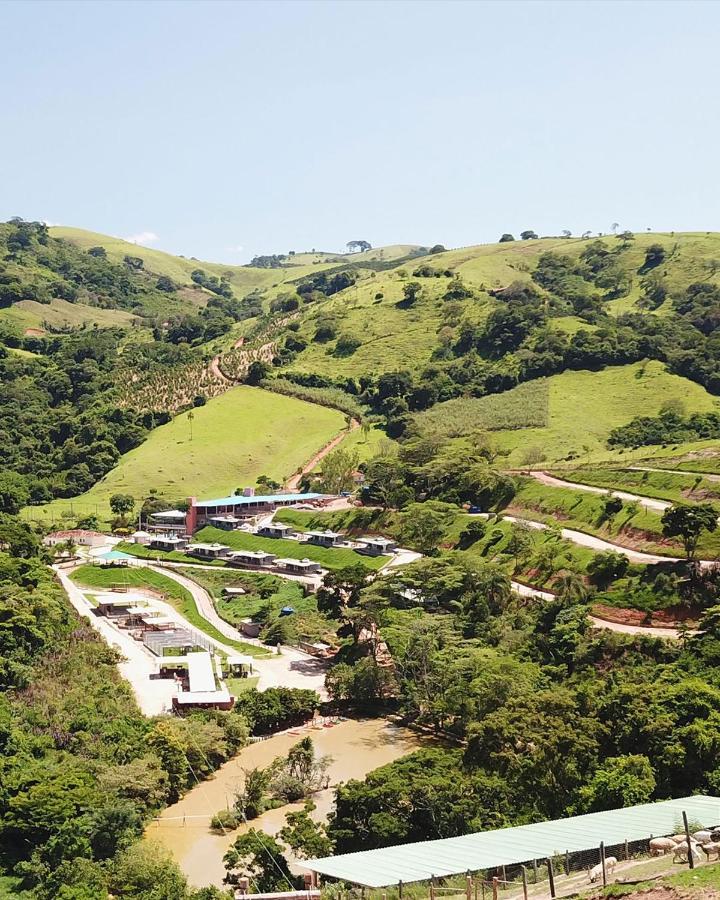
(356,746)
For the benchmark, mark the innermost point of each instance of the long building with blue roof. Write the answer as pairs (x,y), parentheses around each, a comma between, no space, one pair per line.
(225,509)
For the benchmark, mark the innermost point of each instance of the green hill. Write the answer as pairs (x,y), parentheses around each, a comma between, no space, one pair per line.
(230,441)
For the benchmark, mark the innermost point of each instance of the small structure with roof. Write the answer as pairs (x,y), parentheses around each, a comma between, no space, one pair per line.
(240,665)
(245,504)
(227,522)
(208,551)
(324,538)
(141,537)
(251,559)
(376,545)
(299,566)
(202,689)
(168,542)
(80,536)
(275,530)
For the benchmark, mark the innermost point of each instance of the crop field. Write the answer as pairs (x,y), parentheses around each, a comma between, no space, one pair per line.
(676,487)
(526,406)
(329,558)
(585,406)
(634,526)
(104,577)
(236,437)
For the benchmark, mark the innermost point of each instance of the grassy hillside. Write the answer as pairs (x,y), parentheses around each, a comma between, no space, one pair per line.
(59,314)
(236,437)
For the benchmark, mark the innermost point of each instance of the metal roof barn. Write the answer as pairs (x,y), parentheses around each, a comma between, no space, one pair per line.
(510,846)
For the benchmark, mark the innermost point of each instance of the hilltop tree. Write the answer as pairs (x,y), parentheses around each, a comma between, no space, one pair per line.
(688,523)
(528,235)
(626,237)
(358,246)
(505,238)
(566,233)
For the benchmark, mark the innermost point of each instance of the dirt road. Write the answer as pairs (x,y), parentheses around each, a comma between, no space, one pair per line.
(672,634)
(647,502)
(292,483)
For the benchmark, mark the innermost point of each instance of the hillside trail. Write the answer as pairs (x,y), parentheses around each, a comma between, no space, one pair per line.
(293,482)
(708,476)
(673,634)
(647,502)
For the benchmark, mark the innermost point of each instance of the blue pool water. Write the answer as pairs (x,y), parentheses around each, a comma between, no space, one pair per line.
(116,554)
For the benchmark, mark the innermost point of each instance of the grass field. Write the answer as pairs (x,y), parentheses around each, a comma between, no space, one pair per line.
(329,558)
(244,433)
(104,577)
(584,406)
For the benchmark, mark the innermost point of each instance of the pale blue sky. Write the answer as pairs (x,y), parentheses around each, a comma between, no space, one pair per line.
(275,126)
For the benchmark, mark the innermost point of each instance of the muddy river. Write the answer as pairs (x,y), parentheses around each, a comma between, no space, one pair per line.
(357,747)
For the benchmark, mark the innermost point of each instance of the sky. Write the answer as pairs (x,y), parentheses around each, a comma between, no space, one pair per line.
(223,130)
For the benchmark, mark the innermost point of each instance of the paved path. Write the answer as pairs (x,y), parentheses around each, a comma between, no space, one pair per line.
(153,696)
(289,668)
(647,502)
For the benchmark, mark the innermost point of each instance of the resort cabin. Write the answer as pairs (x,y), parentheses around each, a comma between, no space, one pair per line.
(275,530)
(141,537)
(208,551)
(78,536)
(152,622)
(324,538)
(227,523)
(233,591)
(299,566)
(168,520)
(376,546)
(168,542)
(204,690)
(254,559)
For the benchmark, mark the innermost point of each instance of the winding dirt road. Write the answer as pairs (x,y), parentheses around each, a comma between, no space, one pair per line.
(647,502)
(292,483)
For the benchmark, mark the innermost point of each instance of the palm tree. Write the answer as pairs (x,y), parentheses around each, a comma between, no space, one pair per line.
(191,416)
(570,586)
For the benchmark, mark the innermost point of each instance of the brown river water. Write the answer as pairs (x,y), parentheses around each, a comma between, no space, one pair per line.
(356,746)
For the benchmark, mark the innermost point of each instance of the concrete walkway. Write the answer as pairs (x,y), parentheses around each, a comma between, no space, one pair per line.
(672,634)
(647,502)
(154,697)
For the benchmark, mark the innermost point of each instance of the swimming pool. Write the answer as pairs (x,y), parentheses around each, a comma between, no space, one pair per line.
(116,554)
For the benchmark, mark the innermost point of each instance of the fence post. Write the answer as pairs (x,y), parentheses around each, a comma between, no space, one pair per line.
(691,861)
(468,887)
(535,872)
(602,862)
(432,887)
(567,863)
(524,879)
(627,849)
(495,887)
(504,879)
(551,876)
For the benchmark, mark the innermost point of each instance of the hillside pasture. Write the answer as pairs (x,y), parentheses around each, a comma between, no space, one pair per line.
(583,407)
(236,437)
(676,487)
(61,314)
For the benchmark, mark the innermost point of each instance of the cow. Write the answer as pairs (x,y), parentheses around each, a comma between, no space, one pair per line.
(596,871)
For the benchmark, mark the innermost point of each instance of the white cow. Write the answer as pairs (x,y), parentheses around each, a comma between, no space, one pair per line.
(596,871)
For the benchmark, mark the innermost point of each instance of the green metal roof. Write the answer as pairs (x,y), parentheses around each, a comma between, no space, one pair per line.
(507,846)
